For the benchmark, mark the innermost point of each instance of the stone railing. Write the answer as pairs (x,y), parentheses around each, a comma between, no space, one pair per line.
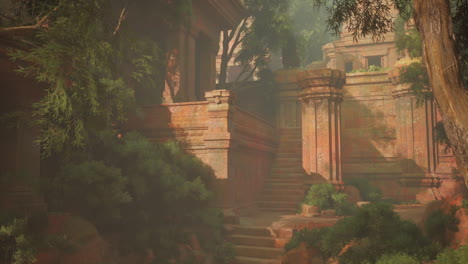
(238,145)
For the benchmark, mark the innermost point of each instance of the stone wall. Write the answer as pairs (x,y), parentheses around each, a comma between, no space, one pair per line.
(238,145)
(388,139)
(369,138)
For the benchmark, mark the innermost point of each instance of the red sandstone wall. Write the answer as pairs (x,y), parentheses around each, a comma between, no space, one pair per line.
(252,157)
(389,139)
(186,122)
(238,145)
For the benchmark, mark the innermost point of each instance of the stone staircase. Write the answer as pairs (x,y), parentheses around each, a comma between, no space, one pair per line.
(254,245)
(284,189)
(282,194)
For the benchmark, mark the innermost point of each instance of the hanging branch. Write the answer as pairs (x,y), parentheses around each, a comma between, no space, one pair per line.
(123,15)
(42,23)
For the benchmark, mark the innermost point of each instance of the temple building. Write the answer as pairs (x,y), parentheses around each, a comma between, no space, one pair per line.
(332,123)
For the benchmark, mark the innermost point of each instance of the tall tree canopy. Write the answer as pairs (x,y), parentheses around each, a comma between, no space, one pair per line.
(295,30)
(95,58)
(442,24)
(264,29)
(310,29)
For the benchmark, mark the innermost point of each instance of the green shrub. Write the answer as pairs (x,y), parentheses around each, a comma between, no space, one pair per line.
(325,196)
(368,192)
(465,203)
(320,195)
(373,231)
(156,195)
(16,246)
(310,237)
(372,68)
(453,256)
(416,75)
(398,258)
(439,223)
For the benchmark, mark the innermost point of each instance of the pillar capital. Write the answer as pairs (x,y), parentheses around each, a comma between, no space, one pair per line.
(321,84)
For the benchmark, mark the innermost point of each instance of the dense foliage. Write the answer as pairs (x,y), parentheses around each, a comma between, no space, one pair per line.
(274,34)
(374,231)
(368,191)
(397,258)
(94,64)
(453,256)
(416,75)
(310,28)
(146,191)
(21,237)
(15,245)
(264,29)
(325,196)
(98,61)
(439,223)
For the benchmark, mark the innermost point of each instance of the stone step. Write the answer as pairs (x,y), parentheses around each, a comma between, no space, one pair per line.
(283,186)
(284,198)
(282,132)
(259,252)
(278,204)
(292,170)
(291,140)
(300,176)
(289,211)
(284,180)
(256,241)
(286,166)
(288,160)
(288,155)
(270,191)
(290,129)
(246,260)
(259,231)
(289,147)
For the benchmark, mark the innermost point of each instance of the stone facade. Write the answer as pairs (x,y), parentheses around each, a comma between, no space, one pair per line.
(236,144)
(348,55)
(386,137)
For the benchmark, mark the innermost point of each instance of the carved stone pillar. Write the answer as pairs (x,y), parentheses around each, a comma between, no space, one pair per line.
(218,141)
(415,132)
(180,75)
(321,122)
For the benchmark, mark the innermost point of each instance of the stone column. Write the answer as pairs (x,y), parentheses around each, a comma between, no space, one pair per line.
(218,141)
(321,122)
(180,80)
(415,132)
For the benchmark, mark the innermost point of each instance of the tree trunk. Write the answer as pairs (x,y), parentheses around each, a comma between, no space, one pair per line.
(434,21)
(222,77)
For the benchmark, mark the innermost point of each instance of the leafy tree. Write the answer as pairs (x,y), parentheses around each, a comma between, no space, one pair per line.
(310,29)
(442,41)
(91,60)
(266,27)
